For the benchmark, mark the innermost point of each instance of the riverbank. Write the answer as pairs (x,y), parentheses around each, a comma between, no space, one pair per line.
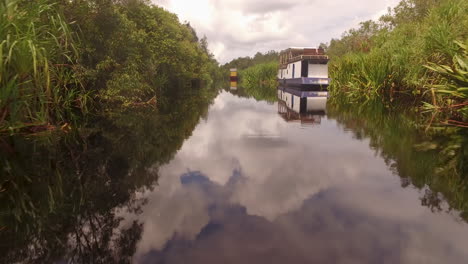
(413,57)
(62,60)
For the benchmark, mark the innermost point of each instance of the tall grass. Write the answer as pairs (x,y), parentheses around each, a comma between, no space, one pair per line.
(393,71)
(39,76)
(454,85)
(260,74)
(259,81)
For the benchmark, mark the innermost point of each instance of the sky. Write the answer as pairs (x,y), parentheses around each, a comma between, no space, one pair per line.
(238,28)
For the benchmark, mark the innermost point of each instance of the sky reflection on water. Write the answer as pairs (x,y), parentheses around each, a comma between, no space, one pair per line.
(249,187)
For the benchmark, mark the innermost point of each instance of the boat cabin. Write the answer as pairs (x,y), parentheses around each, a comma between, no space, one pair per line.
(303,66)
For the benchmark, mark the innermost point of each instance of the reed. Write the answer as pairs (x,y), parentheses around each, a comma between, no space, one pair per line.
(259,74)
(392,70)
(259,81)
(453,85)
(39,75)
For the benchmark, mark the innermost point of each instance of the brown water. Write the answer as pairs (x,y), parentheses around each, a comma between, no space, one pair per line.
(247,186)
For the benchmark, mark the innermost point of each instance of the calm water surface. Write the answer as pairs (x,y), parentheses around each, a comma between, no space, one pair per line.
(247,186)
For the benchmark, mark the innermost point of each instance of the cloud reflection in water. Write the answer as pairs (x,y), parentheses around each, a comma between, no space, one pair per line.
(248,187)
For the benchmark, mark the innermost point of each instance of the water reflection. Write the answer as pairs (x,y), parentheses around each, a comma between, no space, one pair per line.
(305,107)
(309,118)
(261,190)
(61,193)
(239,185)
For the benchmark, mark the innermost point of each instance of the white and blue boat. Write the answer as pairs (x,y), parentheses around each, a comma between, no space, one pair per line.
(305,68)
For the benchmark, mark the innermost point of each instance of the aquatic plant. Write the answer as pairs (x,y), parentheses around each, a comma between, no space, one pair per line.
(383,61)
(260,81)
(454,83)
(39,75)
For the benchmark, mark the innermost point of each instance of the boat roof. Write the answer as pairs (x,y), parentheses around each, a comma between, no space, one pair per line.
(294,54)
(298,49)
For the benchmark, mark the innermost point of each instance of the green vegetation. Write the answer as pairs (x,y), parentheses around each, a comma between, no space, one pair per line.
(58,56)
(243,63)
(257,74)
(260,82)
(413,56)
(39,74)
(454,84)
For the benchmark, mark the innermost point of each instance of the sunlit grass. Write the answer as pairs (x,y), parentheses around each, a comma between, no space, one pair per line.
(38,66)
(393,70)
(260,81)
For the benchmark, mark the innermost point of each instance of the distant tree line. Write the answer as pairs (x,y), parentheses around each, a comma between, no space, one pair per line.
(242,63)
(257,74)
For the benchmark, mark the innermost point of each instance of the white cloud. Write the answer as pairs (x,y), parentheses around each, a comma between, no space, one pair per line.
(242,27)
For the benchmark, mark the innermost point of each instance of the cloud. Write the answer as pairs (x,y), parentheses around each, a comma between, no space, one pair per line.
(262,7)
(236,28)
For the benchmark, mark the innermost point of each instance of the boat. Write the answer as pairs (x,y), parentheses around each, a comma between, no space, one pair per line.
(233,78)
(304,68)
(303,79)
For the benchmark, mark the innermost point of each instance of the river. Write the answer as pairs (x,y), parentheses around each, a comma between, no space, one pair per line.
(234,180)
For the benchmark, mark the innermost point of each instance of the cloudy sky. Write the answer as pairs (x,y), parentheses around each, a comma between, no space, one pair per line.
(237,28)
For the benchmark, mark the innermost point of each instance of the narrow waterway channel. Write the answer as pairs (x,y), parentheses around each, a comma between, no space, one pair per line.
(243,184)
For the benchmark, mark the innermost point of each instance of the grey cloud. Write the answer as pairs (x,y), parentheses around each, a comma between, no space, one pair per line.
(268,6)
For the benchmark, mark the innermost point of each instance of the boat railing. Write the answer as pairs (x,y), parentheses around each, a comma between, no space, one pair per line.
(309,57)
(320,58)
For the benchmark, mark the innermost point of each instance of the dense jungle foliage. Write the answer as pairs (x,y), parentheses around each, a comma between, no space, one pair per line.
(416,55)
(58,58)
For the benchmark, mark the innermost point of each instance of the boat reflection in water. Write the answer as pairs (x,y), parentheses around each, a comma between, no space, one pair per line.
(306,107)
